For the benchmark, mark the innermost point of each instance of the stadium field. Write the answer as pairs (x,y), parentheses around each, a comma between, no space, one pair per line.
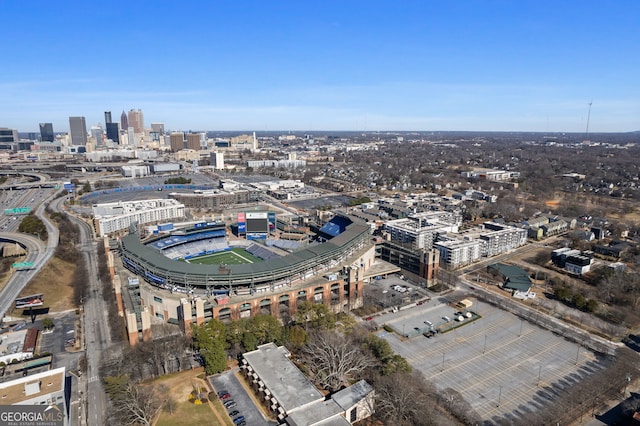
(234,256)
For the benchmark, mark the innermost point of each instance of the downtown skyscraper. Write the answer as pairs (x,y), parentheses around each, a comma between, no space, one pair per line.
(113,132)
(136,120)
(78,130)
(46,132)
(124,121)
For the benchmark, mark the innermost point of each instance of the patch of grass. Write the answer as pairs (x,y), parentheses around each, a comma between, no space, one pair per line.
(54,281)
(5,268)
(236,256)
(187,414)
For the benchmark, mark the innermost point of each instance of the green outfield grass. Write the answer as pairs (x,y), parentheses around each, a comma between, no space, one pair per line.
(235,256)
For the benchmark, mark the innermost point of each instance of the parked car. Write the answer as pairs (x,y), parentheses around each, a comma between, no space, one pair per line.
(230,403)
(222,392)
(234,413)
(225,396)
(238,419)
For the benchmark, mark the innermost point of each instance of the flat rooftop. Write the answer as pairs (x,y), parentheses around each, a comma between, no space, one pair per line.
(30,387)
(12,342)
(281,377)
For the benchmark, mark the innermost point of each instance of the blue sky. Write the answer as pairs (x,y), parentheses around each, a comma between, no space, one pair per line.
(324,65)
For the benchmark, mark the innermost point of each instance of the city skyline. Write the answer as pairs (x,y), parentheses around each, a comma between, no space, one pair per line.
(365,66)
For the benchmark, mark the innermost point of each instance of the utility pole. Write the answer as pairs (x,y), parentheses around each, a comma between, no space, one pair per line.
(586,134)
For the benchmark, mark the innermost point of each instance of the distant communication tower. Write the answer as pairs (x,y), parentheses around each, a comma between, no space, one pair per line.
(586,134)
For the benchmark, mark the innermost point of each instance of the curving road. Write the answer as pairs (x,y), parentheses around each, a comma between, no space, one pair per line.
(38,253)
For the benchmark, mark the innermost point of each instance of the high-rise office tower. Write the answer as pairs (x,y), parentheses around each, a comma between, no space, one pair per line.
(113,132)
(157,132)
(158,128)
(131,137)
(8,135)
(107,117)
(193,141)
(97,133)
(136,120)
(124,122)
(46,132)
(78,130)
(216,159)
(177,141)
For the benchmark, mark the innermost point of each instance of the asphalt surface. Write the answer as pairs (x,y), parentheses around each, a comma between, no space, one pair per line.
(229,382)
(39,253)
(503,366)
(97,338)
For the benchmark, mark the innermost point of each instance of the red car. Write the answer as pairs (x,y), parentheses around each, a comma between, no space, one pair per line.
(368,318)
(225,396)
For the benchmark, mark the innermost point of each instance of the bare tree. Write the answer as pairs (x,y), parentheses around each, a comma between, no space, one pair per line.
(165,353)
(335,359)
(132,403)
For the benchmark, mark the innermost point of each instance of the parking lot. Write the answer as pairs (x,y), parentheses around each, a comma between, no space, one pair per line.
(382,294)
(245,406)
(503,366)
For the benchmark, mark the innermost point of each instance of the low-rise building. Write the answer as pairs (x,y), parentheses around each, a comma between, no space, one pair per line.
(578,264)
(18,345)
(45,392)
(294,399)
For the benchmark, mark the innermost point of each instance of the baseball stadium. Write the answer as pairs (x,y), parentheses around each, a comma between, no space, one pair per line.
(200,272)
(202,259)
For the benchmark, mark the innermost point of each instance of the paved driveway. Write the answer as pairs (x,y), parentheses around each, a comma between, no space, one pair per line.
(229,382)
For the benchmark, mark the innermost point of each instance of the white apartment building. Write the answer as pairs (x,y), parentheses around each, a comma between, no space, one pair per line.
(113,217)
(457,253)
(492,239)
(420,230)
(500,238)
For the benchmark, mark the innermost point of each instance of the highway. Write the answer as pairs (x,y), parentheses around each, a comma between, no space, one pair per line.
(38,253)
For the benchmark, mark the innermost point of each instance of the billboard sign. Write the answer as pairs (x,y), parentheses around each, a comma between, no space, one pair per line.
(30,301)
(272,221)
(242,223)
(257,222)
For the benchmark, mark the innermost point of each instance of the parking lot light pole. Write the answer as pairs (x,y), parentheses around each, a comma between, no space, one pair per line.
(627,380)
(485,344)
(499,396)
(539,372)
